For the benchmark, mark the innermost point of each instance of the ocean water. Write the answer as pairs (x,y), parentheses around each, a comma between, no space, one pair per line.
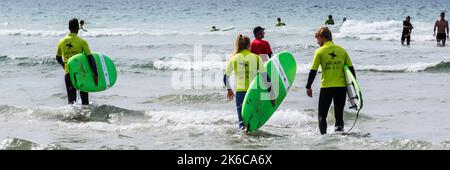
(155,43)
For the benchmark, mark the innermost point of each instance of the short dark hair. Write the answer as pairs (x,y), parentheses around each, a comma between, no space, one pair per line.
(324,32)
(73,24)
(442,13)
(329,16)
(257,30)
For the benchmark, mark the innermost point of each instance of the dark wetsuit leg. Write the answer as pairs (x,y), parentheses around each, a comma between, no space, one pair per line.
(338,96)
(71,91)
(325,99)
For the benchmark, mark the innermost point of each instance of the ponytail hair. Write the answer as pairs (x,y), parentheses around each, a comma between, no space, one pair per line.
(242,43)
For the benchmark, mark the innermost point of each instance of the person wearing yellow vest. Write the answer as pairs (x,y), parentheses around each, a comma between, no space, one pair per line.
(245,66)
(331,58)
(68,47)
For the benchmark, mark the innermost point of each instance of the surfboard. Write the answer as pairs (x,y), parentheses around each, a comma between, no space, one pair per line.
(353,90)
(82,76)
(257,107)
(228,29)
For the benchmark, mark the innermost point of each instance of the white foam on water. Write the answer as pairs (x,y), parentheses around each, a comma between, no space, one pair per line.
(189,65)
(383,30)
(290,118)
(114,32)
(407,67)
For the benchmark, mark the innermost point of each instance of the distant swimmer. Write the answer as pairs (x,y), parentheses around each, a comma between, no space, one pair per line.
(67,47)
(279,23)
(82,26)
(330,20)
(214,29)
(407,29)
(245,66)
(441,26)
(345,19)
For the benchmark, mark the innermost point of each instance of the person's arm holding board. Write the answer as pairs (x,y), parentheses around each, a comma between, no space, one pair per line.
(315,67)
(91,59)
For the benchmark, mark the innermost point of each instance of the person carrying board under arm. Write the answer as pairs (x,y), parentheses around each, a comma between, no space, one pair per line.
(68,47)
(331,58)
(245,66)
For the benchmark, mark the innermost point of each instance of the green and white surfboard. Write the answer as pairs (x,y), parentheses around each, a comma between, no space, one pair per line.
(257,107)
(82,76)
(353,90)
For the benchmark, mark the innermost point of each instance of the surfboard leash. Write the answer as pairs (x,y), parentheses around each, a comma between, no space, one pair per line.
(357,114)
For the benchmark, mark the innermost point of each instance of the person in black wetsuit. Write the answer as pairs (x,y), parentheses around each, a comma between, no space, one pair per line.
(67,47)
(331,58)
(407,29)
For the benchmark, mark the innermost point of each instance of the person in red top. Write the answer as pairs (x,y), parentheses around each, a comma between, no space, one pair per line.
(260,46)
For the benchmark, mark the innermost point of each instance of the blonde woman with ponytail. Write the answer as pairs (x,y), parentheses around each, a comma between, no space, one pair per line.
(245,66)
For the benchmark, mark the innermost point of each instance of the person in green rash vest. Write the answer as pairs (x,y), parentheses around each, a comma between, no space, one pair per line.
(330,20)
(245,66)
(279,23)
(67,47)
(332,59)
(213,28)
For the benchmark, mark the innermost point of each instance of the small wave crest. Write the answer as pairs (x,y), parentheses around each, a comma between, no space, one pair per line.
(99,32)
(441,66)
(382,30)
(22,144)
(190,98)
(28,61)
(409,67)
(71,113)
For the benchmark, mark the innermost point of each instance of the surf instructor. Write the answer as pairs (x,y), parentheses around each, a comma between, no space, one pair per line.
(331,58)
(68,47)
(259,46)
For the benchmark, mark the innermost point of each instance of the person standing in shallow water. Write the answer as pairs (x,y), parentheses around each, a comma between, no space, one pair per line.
(259,46)
(330,20)
(279,23)
(82,26)
(332,59)
(407,29)
(441,25)
(245,66)
(67,47)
